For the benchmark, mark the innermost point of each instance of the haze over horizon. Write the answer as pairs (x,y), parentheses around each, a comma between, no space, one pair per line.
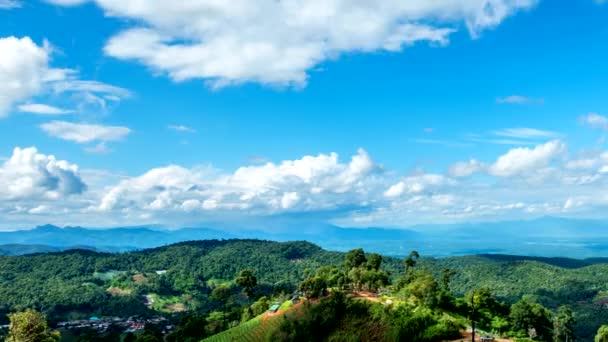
(288,112)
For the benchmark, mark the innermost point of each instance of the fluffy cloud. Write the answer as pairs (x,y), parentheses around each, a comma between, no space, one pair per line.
(84,133)
(26,74)
(415,185)
(28,174)
(24,68)
(311,183)
(524,160)
(279,42)
(355,191)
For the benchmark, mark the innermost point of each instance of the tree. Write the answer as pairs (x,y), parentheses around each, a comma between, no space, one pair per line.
(247,281)
(189,329)
(602,334)
(499,325)
(221,293)
(313,287)
(410,261)
(354,258)
(30,326)
(529,318)
(356,277)
(423,289)
(446,277)
(374,260)
(563,325)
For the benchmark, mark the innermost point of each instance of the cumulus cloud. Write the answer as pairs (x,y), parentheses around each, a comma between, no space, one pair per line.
(26,74)
(415,185)
(24,68)
(524,160)
(28,174)
(43,109)
(279,42)
(84,133)
(311,183)
(522,182)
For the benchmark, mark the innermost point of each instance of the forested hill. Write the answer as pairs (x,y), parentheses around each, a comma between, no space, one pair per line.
(77,281)
(182,277)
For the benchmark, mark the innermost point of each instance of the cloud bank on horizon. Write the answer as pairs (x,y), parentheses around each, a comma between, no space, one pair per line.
(545,179)
(272,44)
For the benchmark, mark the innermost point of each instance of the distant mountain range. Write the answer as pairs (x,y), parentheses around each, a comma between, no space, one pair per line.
(547,236)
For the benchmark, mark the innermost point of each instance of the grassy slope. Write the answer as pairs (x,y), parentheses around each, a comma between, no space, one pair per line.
(257,329)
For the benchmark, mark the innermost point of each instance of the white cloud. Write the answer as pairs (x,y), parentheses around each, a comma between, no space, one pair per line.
(9,4)
(279,42)
(526,133)
(24,68)
(182,128)
(308,184)
(28,174)
(355,191)
(524,160)
(26,74)
(518,99)
(595,120)
(289,199)
(84,133)
(465,169)
(415,185)
(110,92)
(39,108)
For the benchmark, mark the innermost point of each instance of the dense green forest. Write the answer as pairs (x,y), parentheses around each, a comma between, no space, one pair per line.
(218,284)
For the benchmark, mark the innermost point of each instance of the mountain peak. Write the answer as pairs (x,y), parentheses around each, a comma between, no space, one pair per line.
(47,228)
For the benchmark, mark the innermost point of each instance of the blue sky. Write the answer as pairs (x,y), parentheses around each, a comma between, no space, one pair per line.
(165,114)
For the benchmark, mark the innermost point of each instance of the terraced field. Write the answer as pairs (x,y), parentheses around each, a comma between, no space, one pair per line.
(257,329)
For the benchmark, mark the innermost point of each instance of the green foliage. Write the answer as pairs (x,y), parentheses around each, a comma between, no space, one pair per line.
(30,326)
(246,280)
(410,261)
(354,258)
(563,325)
(190,329)
(313,287)
(374,261)
(602,334)
(531,319)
